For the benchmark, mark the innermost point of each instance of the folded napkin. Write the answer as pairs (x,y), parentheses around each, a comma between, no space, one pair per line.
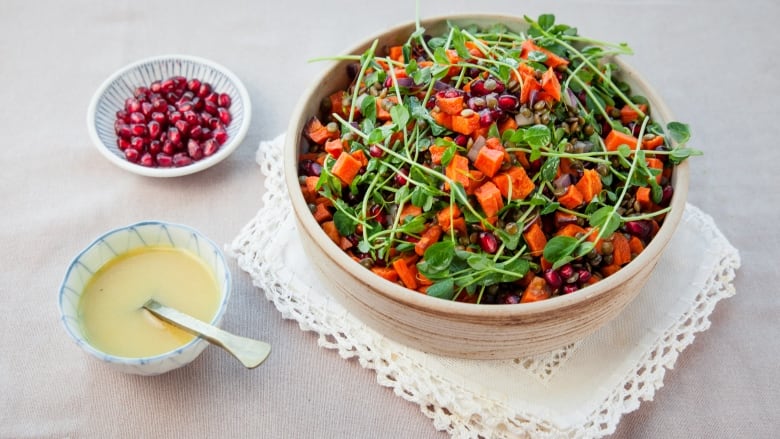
(580,390)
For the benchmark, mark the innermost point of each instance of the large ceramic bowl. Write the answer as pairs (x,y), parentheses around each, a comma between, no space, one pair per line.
(460,329)
(119,241)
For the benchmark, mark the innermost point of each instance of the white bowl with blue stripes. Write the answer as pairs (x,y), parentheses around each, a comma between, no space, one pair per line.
(119,241)
(110,98)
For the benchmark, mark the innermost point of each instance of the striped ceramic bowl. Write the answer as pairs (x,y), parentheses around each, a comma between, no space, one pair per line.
(117,242)
(111,95)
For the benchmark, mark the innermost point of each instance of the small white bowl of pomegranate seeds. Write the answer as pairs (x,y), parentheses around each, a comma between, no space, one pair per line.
(169,115)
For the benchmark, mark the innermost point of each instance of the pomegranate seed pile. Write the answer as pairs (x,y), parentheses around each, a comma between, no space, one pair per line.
(173,123)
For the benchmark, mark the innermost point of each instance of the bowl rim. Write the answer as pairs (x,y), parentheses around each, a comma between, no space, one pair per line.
(433,305)
(221,154)
(137,361)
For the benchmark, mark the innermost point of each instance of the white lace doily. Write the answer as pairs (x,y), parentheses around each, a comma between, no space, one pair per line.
(580,390)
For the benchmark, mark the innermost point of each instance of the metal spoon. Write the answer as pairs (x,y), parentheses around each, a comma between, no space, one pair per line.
(251,353)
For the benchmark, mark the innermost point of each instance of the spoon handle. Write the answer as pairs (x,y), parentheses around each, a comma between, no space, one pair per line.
(251,353)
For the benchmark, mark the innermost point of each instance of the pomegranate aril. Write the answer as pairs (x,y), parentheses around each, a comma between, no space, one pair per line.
(137,117)
(155,86)
(182,126)
(570,288)
(210,147)
(401,176)
(213,98)
(224,100)
(191,117)
(137,143)
(374,211)
(214,123)
(220,135)
(193,85)
(146,108)
(584,275)
(154,129)
(485,118)
(159,117)
(164,160)
(196,132)
(188,96)
(640,229)
(666,196)
(461,140)
(508,102)
(132,154)
(184,106)
(553,278)
(175,135)
(175,116)
(197,104)
(478,88)
(204,90)
(194,149)
(122,144)
(566,271)
(488,242)
(211,108)
(180,81)
(138,129)
(155,146)
(159,104)
(224,116)
(375,151)
(168,148)
(123,115)
(123,131)
(181,159)
(146,160)
(168,85)
(132,105)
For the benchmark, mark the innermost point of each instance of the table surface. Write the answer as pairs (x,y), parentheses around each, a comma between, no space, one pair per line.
(713,61)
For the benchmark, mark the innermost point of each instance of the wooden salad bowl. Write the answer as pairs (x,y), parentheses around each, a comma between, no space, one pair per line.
(453,328)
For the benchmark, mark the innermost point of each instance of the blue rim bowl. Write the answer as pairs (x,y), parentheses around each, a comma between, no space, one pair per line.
(121,240)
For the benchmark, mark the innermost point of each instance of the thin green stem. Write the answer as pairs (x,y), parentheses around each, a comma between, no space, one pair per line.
(369,55)
(595,69)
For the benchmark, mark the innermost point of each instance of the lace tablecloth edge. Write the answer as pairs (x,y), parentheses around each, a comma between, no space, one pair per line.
(469,420)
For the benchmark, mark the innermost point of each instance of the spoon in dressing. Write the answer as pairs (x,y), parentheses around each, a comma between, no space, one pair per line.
(251,353)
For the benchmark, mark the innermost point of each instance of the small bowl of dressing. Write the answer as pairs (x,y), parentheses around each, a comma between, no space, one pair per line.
(106,285)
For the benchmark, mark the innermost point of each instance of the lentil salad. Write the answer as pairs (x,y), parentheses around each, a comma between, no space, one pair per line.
(490,166)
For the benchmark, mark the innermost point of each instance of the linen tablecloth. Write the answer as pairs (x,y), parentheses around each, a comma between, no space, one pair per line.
(714,62)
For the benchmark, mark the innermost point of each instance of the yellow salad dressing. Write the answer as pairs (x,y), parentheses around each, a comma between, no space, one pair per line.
(111,310)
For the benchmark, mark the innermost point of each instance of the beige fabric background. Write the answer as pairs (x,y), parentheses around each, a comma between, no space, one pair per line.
(716,63)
